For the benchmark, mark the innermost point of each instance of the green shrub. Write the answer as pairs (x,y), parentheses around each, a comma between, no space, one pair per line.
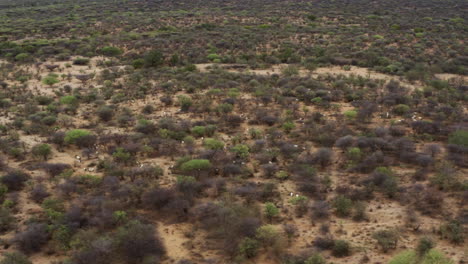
(50,80)
(5,103)
(81,61)
(121,155)
(255,133)
(185,102)
(210,130)
(343,206)
(22,57)
(61,236)
(213,57)
(138,63)
(89,180)
(387,239)
(74,136)
(290,70)
(316,100)
(111,51)
(341,248)
(69,100)
(350,114)
(267,235)
(119,216)
(354,154)
(54,209)
(436,257)
(105,113)
(214,144)
(459,137)
(181,179)
(453,231)
(154,59)
(406,257)
(401,109)
(49,120)
(42,150)
(282,175)
(359,211)
(439,84)
(136,241)
(224,108)
(248,247)
(53,204)
(241,150)
(198,131)
(271,211)
(311,17)
(196,165)
(288,126)
(145,126)
(7,220)
(298,199)
(424,245)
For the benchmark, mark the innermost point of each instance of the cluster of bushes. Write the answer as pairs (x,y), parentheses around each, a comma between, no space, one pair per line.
(337,139)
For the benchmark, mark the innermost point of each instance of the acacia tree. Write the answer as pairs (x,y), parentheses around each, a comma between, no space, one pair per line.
(196,166)
(42,150)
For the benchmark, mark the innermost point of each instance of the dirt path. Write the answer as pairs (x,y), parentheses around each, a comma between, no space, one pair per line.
(175,241)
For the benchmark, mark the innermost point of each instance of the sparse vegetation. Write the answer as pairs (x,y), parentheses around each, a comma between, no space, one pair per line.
(233,131)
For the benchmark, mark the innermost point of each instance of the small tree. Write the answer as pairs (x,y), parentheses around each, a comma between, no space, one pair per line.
(105,113)
(268,235)
(111,51)
(248,247)
(350,114)
(74,136)
(425,244)
(122,156)
(135,241)
(401,109)
(7,220)
(453,231)
(198,131)
(42,150)
(241,150)
(341,248)
(50,80)
(185,102)
(343,205)
(14,180)
(154,59)
(196,166)
(354,154)
(70,100)
(288,126)
(271,211)
(387,239)
(213,144)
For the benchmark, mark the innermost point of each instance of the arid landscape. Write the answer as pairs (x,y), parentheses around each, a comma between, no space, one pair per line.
(233,131)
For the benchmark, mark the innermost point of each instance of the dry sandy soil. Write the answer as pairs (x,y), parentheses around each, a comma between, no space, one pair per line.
(184,242)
